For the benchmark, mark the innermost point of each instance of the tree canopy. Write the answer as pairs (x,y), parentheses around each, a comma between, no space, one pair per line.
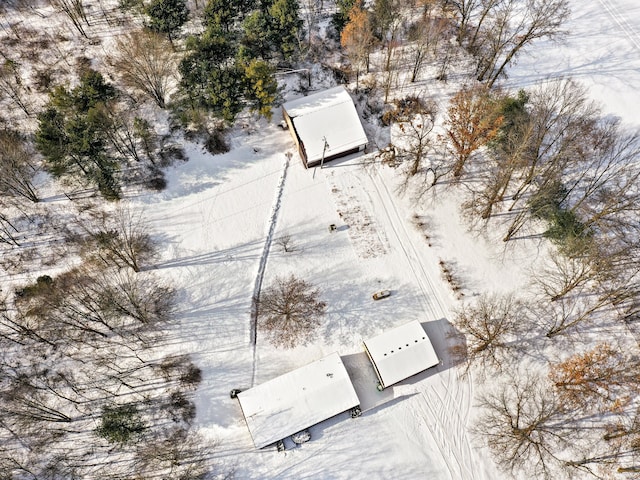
(167,16)
(72,134)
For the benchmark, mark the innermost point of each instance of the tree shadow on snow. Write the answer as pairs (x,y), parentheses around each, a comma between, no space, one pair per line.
(248,251)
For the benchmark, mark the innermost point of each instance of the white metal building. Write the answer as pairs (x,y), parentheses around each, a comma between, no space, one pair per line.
(297,400)
(325,126)
(401,353)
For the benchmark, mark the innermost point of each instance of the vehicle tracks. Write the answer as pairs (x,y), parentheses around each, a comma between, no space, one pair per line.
(437,405)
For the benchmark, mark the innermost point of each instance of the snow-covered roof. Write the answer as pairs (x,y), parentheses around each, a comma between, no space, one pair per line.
(329,115)
(297,400)
(401,353)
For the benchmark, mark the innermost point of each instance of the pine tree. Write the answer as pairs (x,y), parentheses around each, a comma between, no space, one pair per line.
(211,77)
(71,134)
(262,87)
(285,26)
(167,16)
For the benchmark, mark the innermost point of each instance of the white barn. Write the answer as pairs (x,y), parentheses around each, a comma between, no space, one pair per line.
(297,400)
(401,353)
(325,126)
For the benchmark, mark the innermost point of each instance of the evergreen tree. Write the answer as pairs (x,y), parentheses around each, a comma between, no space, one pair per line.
(285,26)
(120,424)
(227,67)
(72,130)
(262,87)
(167,16)
(211,77)
(256,40)
(341,17)
(225,14)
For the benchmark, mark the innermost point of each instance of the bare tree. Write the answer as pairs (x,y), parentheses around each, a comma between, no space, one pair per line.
(141,298)
(424,36)
(17,166)
(311,9)
(123,239)
(464,10)
(290,311)
(146,62)
(285,241)
(605,192)
(523,422)
(512,27)
(559,115)
(490,327)
(411,133)
(9,233)
(74,9)
(180,454)
(563,274)
(551,137)
(12,87)
(570,311)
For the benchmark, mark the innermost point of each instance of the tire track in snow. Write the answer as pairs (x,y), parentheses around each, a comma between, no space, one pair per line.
(448,430)
(257,286)
(622,22)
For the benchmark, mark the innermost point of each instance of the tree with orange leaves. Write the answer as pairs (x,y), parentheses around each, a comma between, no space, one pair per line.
(357,38)
(473,120)
(602,377)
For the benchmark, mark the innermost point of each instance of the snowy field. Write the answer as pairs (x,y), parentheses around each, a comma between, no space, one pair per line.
(601,50)
(215,218)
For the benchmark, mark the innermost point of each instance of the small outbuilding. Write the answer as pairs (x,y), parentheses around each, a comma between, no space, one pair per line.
(297,400)
(325,126)
(400,353)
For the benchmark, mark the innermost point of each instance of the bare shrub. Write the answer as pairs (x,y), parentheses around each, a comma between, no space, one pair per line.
(123,240)
(423,226)
(180,369)
(290,310)
(450,278)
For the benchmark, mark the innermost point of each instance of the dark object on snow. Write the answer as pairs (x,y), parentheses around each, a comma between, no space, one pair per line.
(355,412)
(234,393)
(332,227)
(381,294)
(301,437)
(280,445)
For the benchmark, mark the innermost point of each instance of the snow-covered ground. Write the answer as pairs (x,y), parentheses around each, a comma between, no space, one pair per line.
(601,50)
(218,222)
(214,220)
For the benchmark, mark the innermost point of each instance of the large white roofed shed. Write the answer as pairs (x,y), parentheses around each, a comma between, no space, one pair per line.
(297,400)
(401,353)
(325,125)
